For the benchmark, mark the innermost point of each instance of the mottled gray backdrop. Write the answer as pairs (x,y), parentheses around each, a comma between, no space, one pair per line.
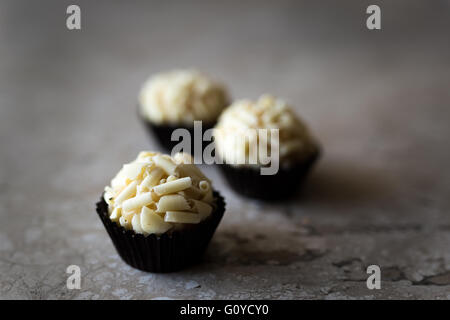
(379,101)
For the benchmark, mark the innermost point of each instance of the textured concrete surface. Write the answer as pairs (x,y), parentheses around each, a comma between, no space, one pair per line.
(378,101)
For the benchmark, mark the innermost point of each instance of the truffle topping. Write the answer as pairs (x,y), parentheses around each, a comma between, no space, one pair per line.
(182,96)
(156,193)
(268,112)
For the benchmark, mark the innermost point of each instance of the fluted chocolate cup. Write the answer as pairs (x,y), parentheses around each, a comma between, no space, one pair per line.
(171,251)
(163,134)
(248,181)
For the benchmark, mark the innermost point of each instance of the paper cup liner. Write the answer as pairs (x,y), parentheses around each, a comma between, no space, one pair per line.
(171,251)
(163,133)
(249,182)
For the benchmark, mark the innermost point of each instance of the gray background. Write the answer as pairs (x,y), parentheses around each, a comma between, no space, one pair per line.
(377,100)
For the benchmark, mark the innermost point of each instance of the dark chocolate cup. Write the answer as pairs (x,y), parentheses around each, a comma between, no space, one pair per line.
(163,133)
(171,251)
(249,182)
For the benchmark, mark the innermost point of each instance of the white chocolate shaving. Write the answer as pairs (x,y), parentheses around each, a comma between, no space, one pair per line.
(115,215)
(153,178)
(129,191)
(173,186)
(136,223)
(173,202)
(124,223)
(202,208)
(137,202)
(204,186)
(152,222)
(182,217)
(166,164)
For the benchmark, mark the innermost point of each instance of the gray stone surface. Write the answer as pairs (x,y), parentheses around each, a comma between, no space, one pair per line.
(378,101)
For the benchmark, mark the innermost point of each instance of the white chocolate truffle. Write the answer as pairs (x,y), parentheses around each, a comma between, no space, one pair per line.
(267,112)
(182,96)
